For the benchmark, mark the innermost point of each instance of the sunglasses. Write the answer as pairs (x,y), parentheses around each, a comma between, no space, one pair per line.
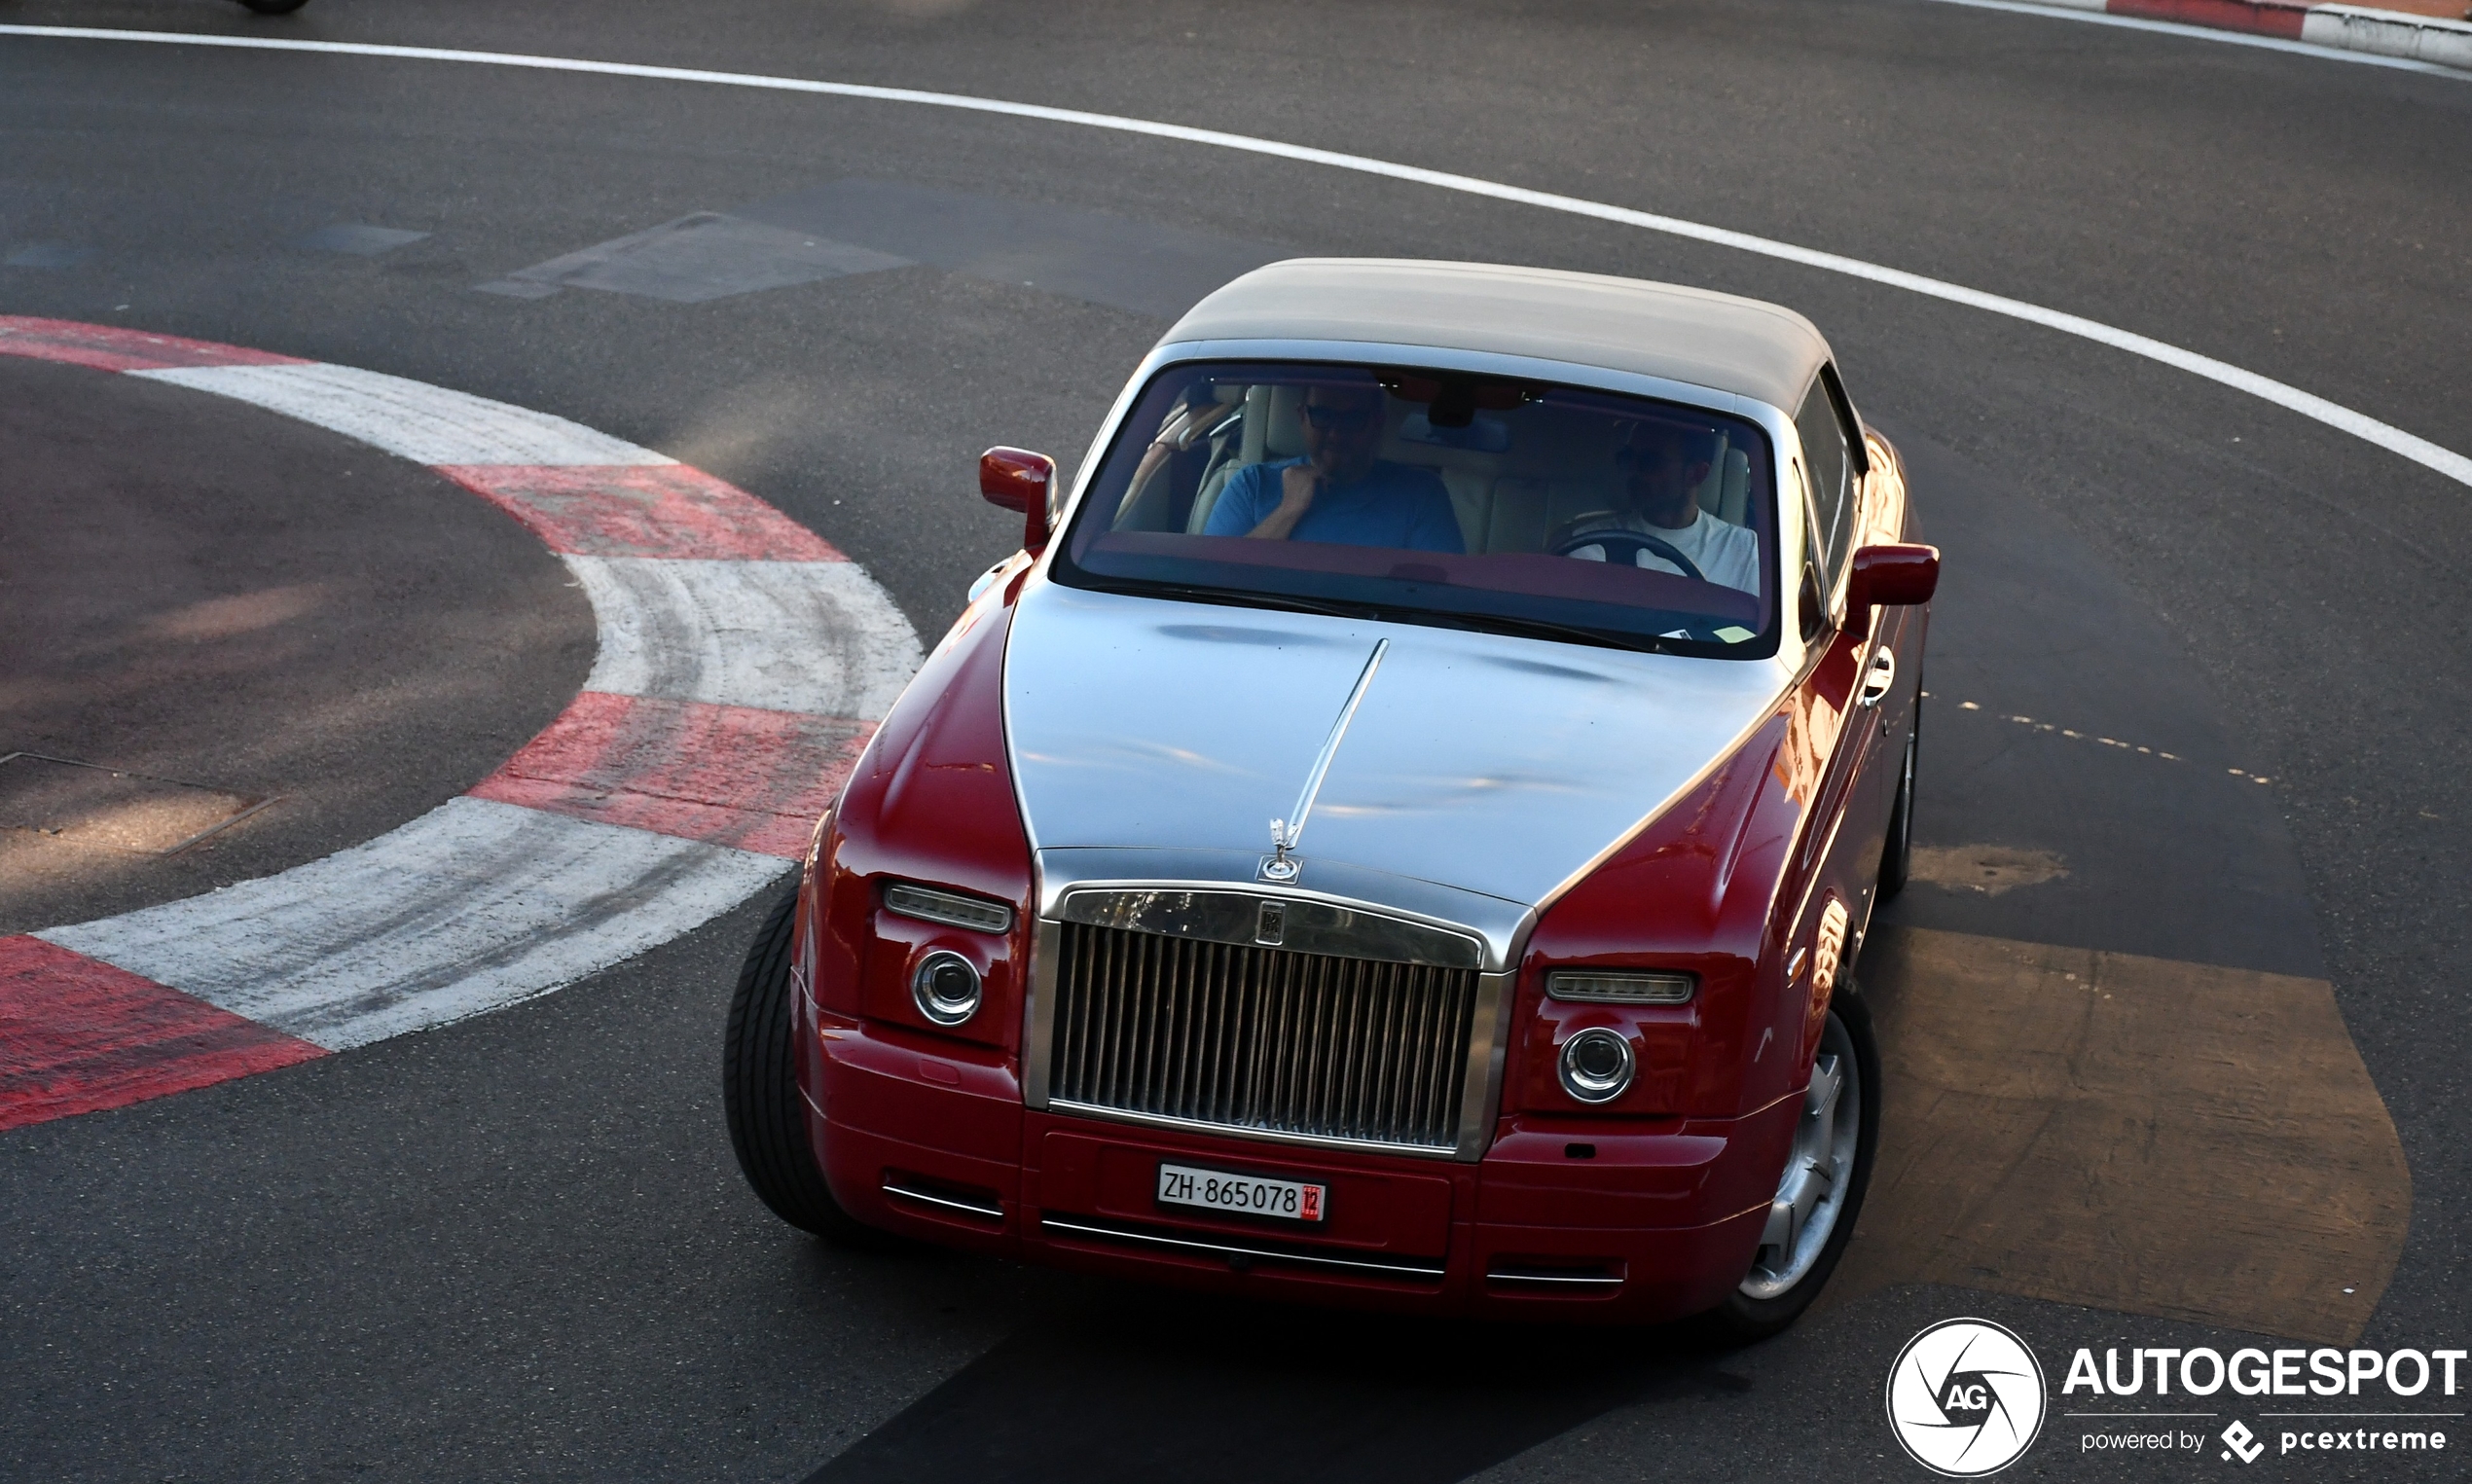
(1345,420)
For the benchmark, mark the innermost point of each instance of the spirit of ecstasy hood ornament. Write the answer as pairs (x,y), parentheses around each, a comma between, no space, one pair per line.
(1281,864)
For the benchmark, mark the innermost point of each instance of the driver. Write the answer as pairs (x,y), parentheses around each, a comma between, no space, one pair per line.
(1663,466)
(1339,491)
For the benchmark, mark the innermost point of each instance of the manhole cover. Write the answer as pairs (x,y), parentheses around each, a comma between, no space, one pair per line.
(87,806)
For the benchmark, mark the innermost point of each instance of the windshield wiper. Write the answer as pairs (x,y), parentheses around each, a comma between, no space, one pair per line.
(1247,598)
(1481,623)
(1547,628)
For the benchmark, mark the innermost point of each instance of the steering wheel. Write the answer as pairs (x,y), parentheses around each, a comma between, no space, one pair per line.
(1623,547)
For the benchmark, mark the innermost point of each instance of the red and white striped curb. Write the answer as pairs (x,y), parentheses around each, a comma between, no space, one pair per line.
(744,664)
(2342,27)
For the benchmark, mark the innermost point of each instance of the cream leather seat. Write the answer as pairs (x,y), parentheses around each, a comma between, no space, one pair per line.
(1726,492)
(1271,432)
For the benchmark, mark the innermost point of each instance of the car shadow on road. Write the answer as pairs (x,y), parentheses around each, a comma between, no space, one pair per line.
(1142,1385)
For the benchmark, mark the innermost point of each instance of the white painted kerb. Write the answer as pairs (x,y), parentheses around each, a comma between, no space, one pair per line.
(2384,33)
(480,904)
(425,423)
(472,907)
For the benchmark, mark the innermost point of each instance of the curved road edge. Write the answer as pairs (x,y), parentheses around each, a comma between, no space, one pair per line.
(2343,33)
(742,665)
(2430,456)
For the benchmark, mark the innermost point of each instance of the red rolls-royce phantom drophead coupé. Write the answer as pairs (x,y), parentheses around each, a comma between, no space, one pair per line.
(1397,832)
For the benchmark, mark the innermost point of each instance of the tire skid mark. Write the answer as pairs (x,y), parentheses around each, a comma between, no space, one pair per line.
(743,662)
(472,907)
(659,510)
(685,768)
(720,632)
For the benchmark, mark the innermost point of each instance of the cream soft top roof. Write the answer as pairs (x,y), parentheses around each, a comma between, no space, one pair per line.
(1717,340)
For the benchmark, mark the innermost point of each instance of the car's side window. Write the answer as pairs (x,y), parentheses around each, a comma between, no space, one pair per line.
(1824,449)
(1810,606)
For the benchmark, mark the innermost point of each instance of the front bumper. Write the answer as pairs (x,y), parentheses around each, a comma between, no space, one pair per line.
(1635,1220)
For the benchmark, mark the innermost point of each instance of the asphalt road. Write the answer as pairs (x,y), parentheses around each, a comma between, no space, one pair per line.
(517,1248)
(258,611)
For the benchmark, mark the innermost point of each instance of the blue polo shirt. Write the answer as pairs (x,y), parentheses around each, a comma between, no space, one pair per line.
(1394,505)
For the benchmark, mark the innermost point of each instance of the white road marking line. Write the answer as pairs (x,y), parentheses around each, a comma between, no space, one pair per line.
(815,636)
(472,907)
(2394,439)
(2096,16)
(425,423)
(2056,730)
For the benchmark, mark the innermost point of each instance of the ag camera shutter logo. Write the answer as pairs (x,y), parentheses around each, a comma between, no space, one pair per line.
(1966,1397)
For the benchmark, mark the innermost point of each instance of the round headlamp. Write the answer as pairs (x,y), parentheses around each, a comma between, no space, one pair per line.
(1597,1064)
(946,987)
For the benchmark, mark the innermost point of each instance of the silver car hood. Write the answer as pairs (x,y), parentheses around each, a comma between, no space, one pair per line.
(1155,740)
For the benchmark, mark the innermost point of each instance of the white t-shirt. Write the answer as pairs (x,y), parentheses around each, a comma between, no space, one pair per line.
(1724,552)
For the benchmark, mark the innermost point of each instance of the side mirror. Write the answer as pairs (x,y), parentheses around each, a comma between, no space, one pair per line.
(1019,480)
(1889,576)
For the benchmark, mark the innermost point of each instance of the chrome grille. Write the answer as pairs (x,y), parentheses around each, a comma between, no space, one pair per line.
(1260,1039)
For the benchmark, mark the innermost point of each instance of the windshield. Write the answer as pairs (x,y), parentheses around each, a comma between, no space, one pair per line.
(1427,497)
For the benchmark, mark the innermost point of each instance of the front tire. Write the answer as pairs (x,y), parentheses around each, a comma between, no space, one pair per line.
(759,1088)
(1812,1217)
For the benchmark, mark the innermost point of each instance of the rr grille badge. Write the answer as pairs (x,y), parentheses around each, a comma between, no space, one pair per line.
(1272,926)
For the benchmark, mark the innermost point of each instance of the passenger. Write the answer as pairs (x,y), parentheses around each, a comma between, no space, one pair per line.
(1663,467)
(1198,415)
(1339,491)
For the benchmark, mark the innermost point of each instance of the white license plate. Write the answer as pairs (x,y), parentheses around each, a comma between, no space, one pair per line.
(1252,1195)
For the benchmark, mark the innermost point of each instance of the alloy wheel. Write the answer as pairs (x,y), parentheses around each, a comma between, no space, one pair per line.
(1818,1172)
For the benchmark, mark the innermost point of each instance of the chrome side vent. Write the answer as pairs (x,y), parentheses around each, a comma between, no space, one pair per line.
(1262,1040)
(1586,1279)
